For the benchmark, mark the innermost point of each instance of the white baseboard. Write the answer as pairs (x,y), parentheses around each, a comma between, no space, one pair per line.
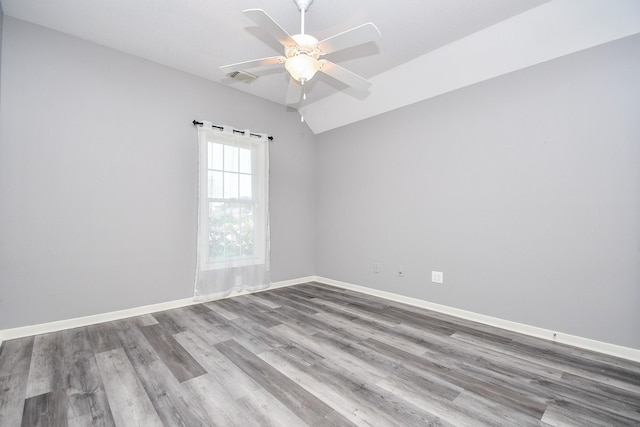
(576,341)
(573,340)
(43,328)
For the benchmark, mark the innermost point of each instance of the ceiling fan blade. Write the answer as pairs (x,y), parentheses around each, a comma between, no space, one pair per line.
(353,37)
(294,92)
(261,18)
(345,76)
(252,64)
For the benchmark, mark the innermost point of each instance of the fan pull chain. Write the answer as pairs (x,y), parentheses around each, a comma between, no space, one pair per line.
(304,98)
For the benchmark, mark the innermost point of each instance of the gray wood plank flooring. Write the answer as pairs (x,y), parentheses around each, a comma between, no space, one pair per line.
(308,355)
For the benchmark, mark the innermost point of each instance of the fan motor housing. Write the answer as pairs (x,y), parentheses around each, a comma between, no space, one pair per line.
(306,44)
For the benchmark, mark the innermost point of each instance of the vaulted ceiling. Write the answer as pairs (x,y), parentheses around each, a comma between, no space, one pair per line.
(428,47)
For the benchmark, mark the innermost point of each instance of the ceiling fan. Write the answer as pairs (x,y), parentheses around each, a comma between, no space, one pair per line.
(303,52)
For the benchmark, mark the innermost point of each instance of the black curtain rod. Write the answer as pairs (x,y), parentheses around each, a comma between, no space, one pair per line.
(197,123)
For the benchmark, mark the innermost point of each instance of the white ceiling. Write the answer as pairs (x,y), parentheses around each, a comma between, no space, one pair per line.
(198,36)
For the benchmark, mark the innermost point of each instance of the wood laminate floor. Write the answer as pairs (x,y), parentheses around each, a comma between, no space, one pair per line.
(308,355)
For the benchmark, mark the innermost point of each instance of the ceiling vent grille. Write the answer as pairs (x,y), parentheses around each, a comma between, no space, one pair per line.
(242,76)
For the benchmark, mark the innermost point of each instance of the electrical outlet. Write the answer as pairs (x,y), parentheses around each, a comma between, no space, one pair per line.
(376,268)
(437,277)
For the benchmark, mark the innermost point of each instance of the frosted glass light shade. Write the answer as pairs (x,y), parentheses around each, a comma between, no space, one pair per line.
(302,67)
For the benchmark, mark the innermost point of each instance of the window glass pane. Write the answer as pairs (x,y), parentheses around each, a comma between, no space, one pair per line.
(215,185)
(215,155)
(245,187)
(248,231)
(231,229)
(230,158)
(245,160)
(216,230)
(230,185)
(226,229)
(247,250)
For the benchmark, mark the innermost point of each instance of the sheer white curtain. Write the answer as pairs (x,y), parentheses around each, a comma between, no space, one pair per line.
(233,212)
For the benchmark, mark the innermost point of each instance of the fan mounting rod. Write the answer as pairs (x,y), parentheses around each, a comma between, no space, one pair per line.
(303,6)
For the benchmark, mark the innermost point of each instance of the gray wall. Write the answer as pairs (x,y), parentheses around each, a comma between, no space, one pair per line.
(98,171)
(524,190)
(1,23)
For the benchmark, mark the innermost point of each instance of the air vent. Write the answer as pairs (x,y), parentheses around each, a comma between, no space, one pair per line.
(242,76)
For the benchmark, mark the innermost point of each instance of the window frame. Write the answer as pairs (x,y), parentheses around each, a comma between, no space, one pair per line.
(259,185)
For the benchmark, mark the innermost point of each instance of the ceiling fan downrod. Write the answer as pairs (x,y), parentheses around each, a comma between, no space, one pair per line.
(303,6)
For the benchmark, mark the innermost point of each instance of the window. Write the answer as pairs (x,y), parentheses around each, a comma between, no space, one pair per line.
(232,207)
(234,229)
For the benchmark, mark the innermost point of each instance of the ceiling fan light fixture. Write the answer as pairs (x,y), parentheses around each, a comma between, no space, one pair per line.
(302,67)
(302,52)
